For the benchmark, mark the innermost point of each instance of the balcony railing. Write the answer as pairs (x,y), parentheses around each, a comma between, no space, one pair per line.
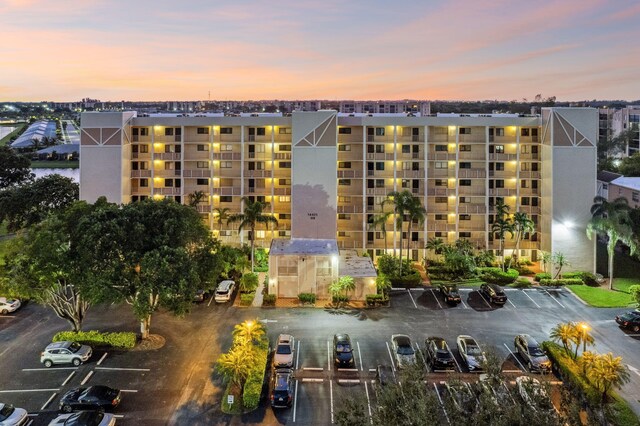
(258,173)
(197,173)
(347,174)
(529,175)
(350,209)
(502,192)
(167,191)
(140,173)
(442,156)
(502,157)
(472,173)
(438,226)
(441,192)
(466,208)
(167,156)
(226,156)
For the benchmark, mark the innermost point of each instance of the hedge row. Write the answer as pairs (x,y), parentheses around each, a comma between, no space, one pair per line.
(307,298)
(246,299)
(542,276)
(411,280)
(269,300)
(497,275)
(253,385)
(120,340)
(559,282)
(521,283)
(376,299)
(587,278)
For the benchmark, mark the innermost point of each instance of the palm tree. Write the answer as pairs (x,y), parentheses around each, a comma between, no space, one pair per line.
(612,220)
(563,333)
(222,215)
(582,336)
(416,213)
(380,220)
(236,365)
(587,360)
(436,245)
(251,217)
(196,198)
(560,260)
(522,224)
(501,227)
(607,372)
(401,202)
(546,259)
(249,332)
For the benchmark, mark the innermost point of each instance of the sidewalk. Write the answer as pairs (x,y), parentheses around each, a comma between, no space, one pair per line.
(257,300)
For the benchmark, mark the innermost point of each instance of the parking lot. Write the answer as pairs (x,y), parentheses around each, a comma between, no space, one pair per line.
(176,384)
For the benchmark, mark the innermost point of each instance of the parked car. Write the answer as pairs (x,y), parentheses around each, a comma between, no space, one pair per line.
(450,293)
(283,356)
(84,418)
(8,305)
(225,291)
(385,375)
(494,293)
(281,388)
(91,398)
(629,320)
(403,350)
(65,353)
(12,416)
(438,354)
(532,353)
(470,352)
(343,351)
(199,296)
(532,393)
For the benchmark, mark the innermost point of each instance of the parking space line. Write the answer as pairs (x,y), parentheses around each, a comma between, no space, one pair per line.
(295,398)
(313,368)
(210,300)
(485,300)
(122,369)
(331,395)
(434,296)
(67,379)
(307,379)
(30,422)
(390,357)
(359,355)
(119,416)
(412,299)
(516,358)
(297,354)
(349,381)
(509,300)
(556,300)
(463,304)
(421,356)
(50,369)
(456,361)
(129,390)
(441,403)
(328,355)
(534,302)
(366,390)
(87,377)
(7,316)
(633,335)
(102,359)
(48,401)
(28,390)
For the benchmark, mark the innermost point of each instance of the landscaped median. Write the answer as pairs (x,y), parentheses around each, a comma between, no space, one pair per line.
(94,338)
(601,297)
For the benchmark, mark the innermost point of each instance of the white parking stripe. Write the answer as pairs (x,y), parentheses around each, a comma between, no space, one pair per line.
(485,300)
(297,354)
(87,377)
(331,395)
(359,355)
(390,356)
(102,359)
(456,361)
(328,355)
(129,390)
(441,403)
(509,300)
(633,335)
(28,390)
(462,301)
(534,302)
(414,302)
(556,300)
(295,397)
(50,369)
(67,379)
(210,300)
(434,296)
(122,369)
(48,401)
(515,357)
(366,389)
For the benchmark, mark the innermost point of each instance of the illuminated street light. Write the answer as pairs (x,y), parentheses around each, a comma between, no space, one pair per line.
(585,328)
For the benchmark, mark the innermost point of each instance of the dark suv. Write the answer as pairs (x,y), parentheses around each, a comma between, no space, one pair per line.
(342,350)
(282,388)
(438,354)
(494,293)
(450,293)
(630,320)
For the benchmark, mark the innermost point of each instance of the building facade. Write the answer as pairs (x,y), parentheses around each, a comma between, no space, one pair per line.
(624,119)
(325,175)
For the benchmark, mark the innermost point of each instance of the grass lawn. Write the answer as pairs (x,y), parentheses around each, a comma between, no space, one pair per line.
(55,164)
(623,284)
(602,298)
(474,282)
(7,138)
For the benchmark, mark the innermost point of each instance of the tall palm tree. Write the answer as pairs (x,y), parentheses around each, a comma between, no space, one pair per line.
(417,214)
(607,372)
(401,202)
(222,215)
(582,337)
(522,224)
(613,220)
(253,215)
(502,225)
(436,245)
(380,220)
(563,333)
(249,332)
(196,198)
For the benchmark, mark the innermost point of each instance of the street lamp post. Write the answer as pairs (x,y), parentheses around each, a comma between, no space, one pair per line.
(585,327)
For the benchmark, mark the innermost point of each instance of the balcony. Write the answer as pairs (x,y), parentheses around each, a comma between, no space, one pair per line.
(529,175)
(167,156)
(530,209)
(349,243)
(282,156)
(203,208)
(282,191)
(524,192)
(410,174)
(441,173)
(529,156)
(440,226)
(442,156)
(477,156)
(439,208)
(472,173)
(140,173)
(258,173)
(441,192)
(140,155)
(197,173)
(465,226)
(377,191)
(502,192)
(226,190)
(502,157)
(349,174)
(350,209)
(167,173)
(379,156)
(226,156)
(505,174)
(471,191)
(467,208)
(167,191)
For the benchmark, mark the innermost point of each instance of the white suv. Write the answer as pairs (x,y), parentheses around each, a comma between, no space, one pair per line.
(225,291)
(65,353)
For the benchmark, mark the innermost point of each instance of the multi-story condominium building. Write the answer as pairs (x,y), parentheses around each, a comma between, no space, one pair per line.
(624,119)
(422,108)
(605,124)
(325,175)
(625,187)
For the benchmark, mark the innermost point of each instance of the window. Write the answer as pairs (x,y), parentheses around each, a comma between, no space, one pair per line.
(499,131)
(466,148)
(168,183)
(284,182)
(144,183)
(499,167)
(465,234)
(379,149)
(144,131)
(202,182)
(284,148)
(524,201)
(202,164)
(441,148)
(379,183)
(226,164)
(225,198)
(415,166)
(441,165)
(634,196)
(524,183)
(465,217)
(144,165)
(344,200)
(284,164)
(498,149)
(465,130)
(440,182)
(344,130)
(343,216)
(226,147)
(525,132)
(284,216)
(202,148)
(380,165)
(500,183)
(441,217)
(284,198)
(464,200)
(284,130)
(344,147)
(168,131)
(344,164)
(440,200)
(144,149)
(406,149)
(226,130)
(465,182)
(379,131)
(260,131)
(203,130)
(465,165)
(134,149)
(344,182)
(605,186)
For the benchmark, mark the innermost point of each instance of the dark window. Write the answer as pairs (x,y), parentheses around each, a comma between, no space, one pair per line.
(465,165)
(168,131)
(344,164)
(466,148)
(465,130)
(465,217)
(203,130)
(465,234)
(226,130)
(465,182)
(441,148)
(260,131)
(202,182)
(225,198)
(344,130)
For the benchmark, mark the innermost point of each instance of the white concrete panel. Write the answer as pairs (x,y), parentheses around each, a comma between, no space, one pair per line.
(100,173)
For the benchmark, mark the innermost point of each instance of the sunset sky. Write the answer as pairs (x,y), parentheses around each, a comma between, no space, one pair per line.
(65,50)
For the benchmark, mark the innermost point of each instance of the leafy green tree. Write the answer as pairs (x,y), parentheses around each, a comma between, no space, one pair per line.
(613,220)
(608,372)
(635,293)
(502,226)
(251,217)
(15,169)
(249,282)
(522,224)
(587,361)
(546,258)
(630,166)
(436,245)
(383,283)
(196,198)
(344,284)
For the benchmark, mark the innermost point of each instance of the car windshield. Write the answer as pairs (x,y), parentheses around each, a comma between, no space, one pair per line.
(283,350)
(75,347)
(6,411)
(473,350)
(343,347)
(405,350)
(85,418)
(281,383)
(535,351)
(442,353)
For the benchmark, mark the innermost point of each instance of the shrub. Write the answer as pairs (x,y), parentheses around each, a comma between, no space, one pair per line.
(587,277)
(269,300)
(339,298)
(437,272)
(562,281)
(541,276)
(253,386)
(119,340)
(413,280)
(390,265)
(247,298)
(497,275)
(521,283)
(309,298)
(523,270)
(249,282)
(376,299)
